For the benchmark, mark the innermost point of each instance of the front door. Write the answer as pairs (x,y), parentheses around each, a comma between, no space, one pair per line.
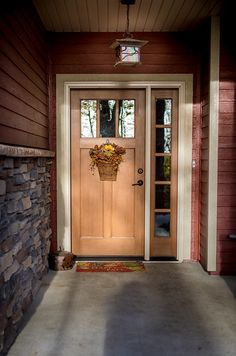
(107,217)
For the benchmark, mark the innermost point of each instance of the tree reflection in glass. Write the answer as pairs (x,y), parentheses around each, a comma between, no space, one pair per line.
(126,118)
(163,111)
(107,118)
(163,140)
(88,118)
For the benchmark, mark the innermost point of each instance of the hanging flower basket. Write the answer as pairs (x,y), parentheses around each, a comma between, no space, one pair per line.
(107,159)
(107,172)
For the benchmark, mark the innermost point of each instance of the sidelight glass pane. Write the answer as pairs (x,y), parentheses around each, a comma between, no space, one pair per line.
(163,168)
(162,224)
(88,118)
(163,140)
(162,196)
(163,111)
(126,118)
(107,118)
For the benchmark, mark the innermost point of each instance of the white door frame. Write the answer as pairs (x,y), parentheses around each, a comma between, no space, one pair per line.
(184,82)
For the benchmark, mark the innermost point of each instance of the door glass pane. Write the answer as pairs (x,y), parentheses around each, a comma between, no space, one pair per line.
(88,118)
(162,225)
(162,196)
(126,118)
(163,140)
(163,111)
(107,118)
(163,168)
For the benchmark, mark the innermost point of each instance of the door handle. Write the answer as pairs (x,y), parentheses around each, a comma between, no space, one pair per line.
(139,182)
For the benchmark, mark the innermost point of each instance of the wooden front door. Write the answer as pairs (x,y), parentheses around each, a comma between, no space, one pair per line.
(107,217)
(164,173)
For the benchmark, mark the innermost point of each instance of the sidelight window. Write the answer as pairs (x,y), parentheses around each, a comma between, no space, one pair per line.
(163,151)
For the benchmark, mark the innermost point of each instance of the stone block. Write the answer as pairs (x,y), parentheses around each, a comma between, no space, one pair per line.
(10,271)
(17,162)
(41,170)
(7,244)
(22,224)
(17,248)
(36,238)
(8,163)
(37,244)
(22,178)
(12,206)
(24,236)
(14,196)
(4,233)
(33,184)
(3,187)
(37,223)
(16,317)
(46,234)
(34,174)
(26,203)
(10,309)
(13,228)
(26,176)
(11,187)
(26,302)
(42,211)
(27,262)
(9,336)
(3,324)
(41,161)
(23,168)
(4,224)
(22,255)
(2,199)
(6,260)
(36,287)
(10,172)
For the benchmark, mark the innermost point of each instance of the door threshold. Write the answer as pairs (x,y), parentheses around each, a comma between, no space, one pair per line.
(164,259)
(108,258)
(125,259)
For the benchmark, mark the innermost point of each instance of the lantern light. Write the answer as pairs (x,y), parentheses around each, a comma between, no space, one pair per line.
(128,48)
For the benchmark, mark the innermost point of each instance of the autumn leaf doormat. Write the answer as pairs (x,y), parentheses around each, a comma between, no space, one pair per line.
(134,266)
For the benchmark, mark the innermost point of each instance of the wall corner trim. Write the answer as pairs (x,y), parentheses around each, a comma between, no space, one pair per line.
(213,143)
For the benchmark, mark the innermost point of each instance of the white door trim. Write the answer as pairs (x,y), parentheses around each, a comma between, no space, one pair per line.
(184,82)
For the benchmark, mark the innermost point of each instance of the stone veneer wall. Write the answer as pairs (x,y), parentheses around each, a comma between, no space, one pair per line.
(24,237)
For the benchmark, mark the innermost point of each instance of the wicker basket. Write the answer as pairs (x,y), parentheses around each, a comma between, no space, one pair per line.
(107,172)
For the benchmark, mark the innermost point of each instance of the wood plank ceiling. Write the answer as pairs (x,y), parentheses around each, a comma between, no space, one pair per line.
(110,15)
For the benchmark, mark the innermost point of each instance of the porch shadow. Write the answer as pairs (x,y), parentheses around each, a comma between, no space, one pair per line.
(166,313)
(230,281)
(32,309)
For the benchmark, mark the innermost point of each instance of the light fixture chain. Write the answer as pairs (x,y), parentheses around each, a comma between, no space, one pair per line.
(127,27)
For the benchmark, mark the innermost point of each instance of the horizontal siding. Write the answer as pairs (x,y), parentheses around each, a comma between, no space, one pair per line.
(226,218)
(23,77)
(91,53)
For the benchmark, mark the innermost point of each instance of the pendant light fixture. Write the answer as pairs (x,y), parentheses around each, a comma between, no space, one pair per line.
(127,48)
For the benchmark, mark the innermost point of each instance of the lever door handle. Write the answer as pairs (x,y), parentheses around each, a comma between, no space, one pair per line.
(139,182)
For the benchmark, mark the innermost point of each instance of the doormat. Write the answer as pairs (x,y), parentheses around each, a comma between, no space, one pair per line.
(134,266)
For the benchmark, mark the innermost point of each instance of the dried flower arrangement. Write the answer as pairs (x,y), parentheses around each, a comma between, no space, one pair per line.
(107,157)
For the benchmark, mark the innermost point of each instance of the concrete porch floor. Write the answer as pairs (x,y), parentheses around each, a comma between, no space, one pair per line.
(171,309)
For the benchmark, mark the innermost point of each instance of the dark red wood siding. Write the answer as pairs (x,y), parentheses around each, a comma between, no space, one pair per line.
(23,76)
(226,248)
(165,53)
